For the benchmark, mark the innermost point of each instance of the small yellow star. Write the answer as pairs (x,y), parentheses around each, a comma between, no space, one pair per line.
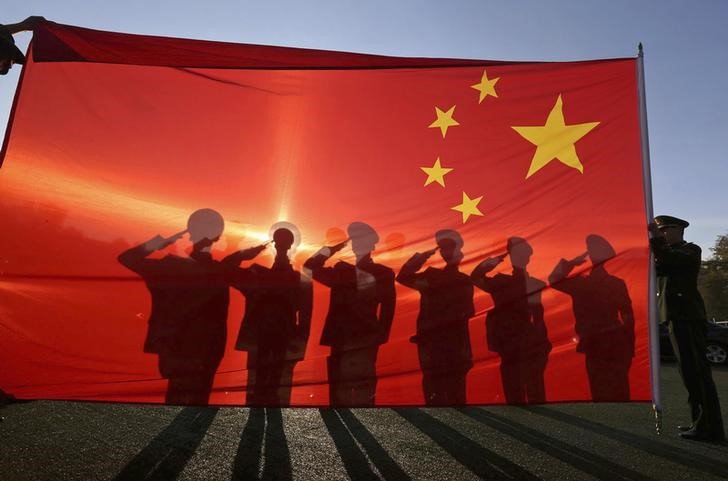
(486,87)
(555,140)
(444,120)
(468,207)
(436,173)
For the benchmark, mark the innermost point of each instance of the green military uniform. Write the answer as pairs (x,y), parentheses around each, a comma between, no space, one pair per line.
(682,310)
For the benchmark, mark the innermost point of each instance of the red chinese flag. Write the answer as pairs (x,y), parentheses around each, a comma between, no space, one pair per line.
(416,173)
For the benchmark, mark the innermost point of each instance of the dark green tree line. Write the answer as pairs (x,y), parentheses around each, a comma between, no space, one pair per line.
(713,280)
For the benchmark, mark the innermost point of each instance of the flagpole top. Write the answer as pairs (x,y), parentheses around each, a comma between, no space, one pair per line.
(639,49)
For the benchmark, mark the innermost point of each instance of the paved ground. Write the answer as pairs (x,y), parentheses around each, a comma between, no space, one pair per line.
(68,441)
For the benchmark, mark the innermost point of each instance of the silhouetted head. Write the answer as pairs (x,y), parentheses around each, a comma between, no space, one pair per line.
(599,249)
(450,243)
(520,251)
(205,224)
(363,238)
(285,236)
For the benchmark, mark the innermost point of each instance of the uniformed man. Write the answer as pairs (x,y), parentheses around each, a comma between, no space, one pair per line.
(603,319)
(515,327)
(681,308)
(188,320)
(446,306)
(361,309)
(277,321)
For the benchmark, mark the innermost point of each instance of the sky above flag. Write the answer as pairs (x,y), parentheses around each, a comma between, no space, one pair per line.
(685,63)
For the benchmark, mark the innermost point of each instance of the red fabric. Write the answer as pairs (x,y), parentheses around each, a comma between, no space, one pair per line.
(117,138)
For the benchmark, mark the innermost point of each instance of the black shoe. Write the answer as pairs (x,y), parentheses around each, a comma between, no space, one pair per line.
(690,427)
(694,435)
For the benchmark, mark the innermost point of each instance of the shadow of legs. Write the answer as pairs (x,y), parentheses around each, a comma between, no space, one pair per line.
(590,463)
(167,454)
(647,444)
(355,462)
(482,462)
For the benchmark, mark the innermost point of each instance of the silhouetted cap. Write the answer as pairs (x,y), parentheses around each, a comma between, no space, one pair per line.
(514,242)
(8,47)
(362,232)
(599,249)
(670,221)
(205,224)
(442,237)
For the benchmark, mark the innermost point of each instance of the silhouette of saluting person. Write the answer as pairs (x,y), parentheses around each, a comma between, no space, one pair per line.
(361,309)
(604,319)
(276,324)
(188,321)
(515,327)
(446,305)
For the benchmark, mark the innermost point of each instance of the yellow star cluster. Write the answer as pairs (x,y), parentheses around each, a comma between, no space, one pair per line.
(555,140)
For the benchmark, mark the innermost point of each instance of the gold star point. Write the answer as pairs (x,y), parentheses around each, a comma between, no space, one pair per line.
(468,207)
(444,120)
(486,87)
(436,173)
(555,140)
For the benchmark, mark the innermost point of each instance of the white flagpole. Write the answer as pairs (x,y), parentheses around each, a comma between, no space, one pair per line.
(654,334)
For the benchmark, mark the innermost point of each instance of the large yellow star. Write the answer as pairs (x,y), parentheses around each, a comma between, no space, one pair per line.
(436,173)
(444,120)
(468,207)
(555,140)
(486,87)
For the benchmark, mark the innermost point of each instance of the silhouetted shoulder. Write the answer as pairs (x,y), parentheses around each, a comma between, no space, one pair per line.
(501,279)
(258,269)
(693,249)
(382,273)
(342,266)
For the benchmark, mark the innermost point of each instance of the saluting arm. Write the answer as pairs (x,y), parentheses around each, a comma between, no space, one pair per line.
(135,258)
(478,276)
(315,264)
(408,273)
(674,257)
(563,269)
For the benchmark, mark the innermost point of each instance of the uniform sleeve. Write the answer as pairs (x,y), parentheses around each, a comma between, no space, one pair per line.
(305,307)
(675,258)
(243,279)
(408,275)
(480,280)
(135,259)
(627,316)
(387,299)
(559,277)
(325,275)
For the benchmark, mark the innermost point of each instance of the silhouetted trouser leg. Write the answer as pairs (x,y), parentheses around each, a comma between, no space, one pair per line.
(352,376)
(534,374)
(271,376)
(189,380)
(688,341)
(443,377)
(608,377)
(511,370)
